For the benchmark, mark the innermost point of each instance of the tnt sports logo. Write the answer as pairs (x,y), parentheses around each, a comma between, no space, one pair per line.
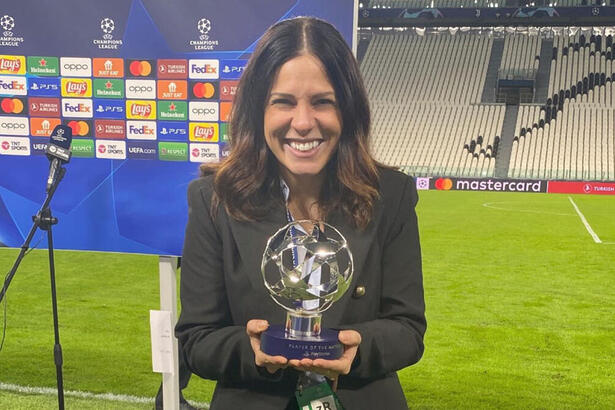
(14,146)
(75,67)
(203,111)
(204,153)
(422,183)
(12,64)
(13,85)
(14,126)
(204,131)
(107,25)
(444,184)
(77,108)
(7,22)
(11,106)
(141,130)
(204,69)
(110,149)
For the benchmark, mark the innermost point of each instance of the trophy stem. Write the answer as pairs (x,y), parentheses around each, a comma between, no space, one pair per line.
(300,326)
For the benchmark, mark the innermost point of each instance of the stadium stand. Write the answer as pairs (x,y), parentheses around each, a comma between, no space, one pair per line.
(430,117)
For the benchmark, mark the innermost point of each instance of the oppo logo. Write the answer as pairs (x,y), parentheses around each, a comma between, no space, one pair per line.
(141,88)
(74,67)
(203,111)
(12,126)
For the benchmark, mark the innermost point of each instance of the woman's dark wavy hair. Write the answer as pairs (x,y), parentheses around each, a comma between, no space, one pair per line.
(246,183)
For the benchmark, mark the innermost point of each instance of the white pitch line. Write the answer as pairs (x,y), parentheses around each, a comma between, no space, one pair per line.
(589,228)
(86,395)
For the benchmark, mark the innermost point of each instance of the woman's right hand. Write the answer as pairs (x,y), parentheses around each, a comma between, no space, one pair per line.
(254,328)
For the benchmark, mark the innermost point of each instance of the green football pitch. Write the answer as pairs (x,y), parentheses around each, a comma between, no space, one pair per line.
(520,293)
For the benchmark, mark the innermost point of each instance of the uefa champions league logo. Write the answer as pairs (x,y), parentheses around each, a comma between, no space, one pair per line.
(7,23)
(204,26)
(107,25)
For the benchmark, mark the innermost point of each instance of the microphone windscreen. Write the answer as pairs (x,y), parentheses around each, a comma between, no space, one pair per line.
(62,135)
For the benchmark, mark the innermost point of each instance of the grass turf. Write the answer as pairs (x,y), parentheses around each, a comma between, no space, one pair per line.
(520,308)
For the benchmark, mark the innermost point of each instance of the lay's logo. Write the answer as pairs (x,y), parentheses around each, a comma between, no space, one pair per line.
(140,110)
(203,131)
(12,64)
(76,87)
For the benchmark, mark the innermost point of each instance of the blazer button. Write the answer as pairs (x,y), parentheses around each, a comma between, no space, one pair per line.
(359,292)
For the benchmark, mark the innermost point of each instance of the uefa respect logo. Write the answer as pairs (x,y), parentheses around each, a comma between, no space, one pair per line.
(9,39)
(106,42)
(204,27)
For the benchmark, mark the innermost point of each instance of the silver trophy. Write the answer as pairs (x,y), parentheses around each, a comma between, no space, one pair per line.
(306,267)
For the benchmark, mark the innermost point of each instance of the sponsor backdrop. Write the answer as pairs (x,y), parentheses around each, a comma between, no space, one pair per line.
(515,185)
(146,86)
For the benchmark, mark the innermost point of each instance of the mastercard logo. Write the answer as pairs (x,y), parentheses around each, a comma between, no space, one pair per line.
(80,128)
(11,105)
(204,90)
(444,184)
(140,68)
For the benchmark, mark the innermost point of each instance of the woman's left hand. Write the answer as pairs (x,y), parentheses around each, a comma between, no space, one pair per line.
(351,339)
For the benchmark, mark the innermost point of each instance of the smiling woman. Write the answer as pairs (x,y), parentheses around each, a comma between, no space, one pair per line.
(299,132)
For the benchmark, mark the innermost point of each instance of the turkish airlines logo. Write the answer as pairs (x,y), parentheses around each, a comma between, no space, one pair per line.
(76,107)
(172,69)
(75,67)
(44,107)
(204,69)
(110,129)
(141,130)
(14,126)
(141,89)
(203,111)
(13,85)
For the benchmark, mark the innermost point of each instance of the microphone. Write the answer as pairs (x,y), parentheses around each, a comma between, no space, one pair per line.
(58,151)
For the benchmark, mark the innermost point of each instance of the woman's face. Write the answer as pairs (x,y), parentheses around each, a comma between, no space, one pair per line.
(302,122)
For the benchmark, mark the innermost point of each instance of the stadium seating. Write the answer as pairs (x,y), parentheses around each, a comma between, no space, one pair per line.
(426,90)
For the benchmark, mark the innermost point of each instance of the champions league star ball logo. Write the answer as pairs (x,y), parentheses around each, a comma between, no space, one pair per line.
(204,25)
(107,25)
(8,23)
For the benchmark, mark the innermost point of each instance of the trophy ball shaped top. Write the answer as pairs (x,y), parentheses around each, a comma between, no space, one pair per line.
(307,266)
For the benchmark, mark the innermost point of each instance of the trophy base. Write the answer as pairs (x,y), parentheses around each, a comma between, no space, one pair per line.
(275,342)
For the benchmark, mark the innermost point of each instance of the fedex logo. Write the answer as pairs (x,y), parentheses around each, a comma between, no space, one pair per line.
(141,130)
(44,87)
(204,69)
(77,107)
(13,85)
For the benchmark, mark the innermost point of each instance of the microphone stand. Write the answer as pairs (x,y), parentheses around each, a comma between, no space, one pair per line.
(44,220)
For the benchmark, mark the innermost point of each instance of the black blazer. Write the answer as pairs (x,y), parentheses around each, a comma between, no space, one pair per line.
(222,288)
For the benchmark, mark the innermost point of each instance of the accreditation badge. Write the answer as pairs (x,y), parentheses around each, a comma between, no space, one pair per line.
(318,397)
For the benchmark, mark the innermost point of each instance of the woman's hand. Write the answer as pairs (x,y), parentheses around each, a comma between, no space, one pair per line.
(254,328)
(351,339)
